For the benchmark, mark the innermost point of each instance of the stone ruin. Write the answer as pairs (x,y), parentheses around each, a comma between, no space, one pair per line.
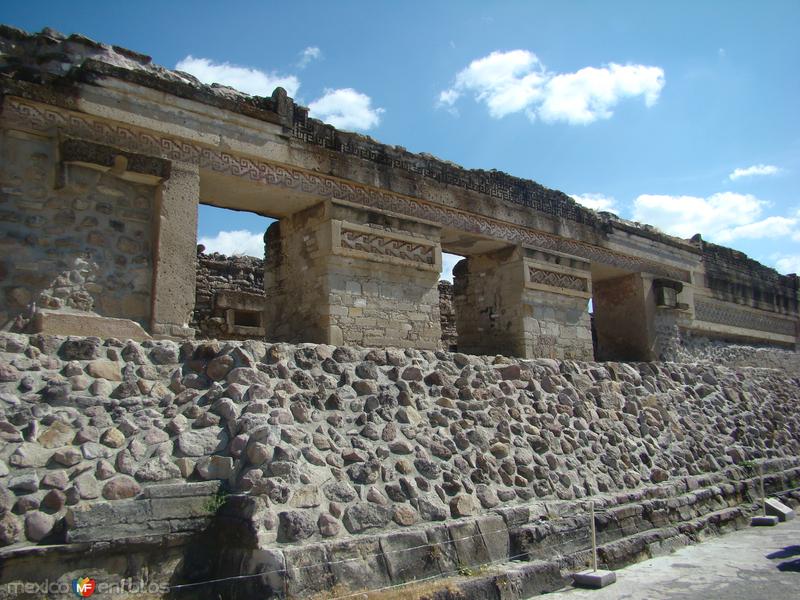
(329,439)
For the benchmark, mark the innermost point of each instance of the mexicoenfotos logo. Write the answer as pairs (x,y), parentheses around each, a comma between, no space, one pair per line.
(84,586)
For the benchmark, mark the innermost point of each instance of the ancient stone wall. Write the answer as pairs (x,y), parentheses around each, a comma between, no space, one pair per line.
(333,441)
(734,277)
(219,273)
(447,316)
(516,303)
(683,346)
(334,273)
(372,256)
(72,237)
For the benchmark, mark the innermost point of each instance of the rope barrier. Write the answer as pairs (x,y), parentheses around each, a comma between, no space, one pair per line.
(376,555)
(556,532)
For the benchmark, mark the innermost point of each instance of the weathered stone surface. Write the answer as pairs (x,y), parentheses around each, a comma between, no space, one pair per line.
(463,506)
(54,479)
(339,491)
(120,488)
(295,526)
(113,438)
(57,435)
(24,484)
(87,486)
(38,525)
(363,515)
(328,525)
(215,467)
(158,469)
(54,500)
(10,529)
(202,442)
(473,441)
(104,369)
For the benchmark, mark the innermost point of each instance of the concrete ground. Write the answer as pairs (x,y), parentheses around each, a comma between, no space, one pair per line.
(758,563)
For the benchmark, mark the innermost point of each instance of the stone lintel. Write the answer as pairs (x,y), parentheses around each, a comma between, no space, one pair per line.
(128,165)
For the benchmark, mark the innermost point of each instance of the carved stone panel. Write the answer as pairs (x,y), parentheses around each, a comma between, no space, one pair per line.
(716,312)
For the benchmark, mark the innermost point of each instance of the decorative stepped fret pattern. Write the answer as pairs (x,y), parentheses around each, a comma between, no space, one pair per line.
(713,312)
(374,243)
(559,280)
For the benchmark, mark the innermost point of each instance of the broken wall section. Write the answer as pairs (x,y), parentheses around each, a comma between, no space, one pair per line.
(228,283)
(74,238)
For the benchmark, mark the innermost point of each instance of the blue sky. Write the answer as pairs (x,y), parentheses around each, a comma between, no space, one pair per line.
(680,114)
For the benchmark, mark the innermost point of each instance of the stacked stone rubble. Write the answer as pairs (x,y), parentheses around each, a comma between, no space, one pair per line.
(216,273)
(327,441)
(447,316)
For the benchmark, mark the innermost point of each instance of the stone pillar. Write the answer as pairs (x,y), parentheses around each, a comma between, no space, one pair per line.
(337,273)
(624,318)
(175,223)
(526,303)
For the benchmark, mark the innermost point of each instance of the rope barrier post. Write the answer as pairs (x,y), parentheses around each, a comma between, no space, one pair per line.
(594,537)
(593,577)
(763,520)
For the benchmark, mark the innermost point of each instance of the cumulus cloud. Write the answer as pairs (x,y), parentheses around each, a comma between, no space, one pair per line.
(346,108)
(236,242)
(308,55)
(245,79)
(598,202)
(786,263)
(754,170)
(517,81)
(721,217)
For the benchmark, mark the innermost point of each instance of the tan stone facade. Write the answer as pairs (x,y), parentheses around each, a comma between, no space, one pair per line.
(337,274)
(103,172)
(524,303)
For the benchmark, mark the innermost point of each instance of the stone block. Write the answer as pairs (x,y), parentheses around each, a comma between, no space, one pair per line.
(778,509)
(594,579)
(108,521)
(495,537)
(468,542)
(179,508)
(359,564)
(307,571)
(408,555)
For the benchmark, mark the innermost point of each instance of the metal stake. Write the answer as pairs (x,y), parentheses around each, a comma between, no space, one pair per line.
(594,539)
(761,480)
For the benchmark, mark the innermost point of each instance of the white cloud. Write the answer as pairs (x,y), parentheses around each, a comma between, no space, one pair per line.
(244,79)
(448,262)
(517,81)
(236,242)
(786,263)
(597,202)
(766,228)
(591,93)
(754,170)
(346,108)
(721,217)
(308,55)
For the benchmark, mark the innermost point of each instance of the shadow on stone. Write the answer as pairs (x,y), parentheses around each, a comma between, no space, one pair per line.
(792,566)
(787,552)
